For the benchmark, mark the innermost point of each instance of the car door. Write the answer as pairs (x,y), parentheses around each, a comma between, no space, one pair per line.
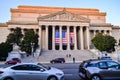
(38,73)
(21,72)
(104,71)
(114,69)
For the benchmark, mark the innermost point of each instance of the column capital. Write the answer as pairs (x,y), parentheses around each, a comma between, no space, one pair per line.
(46,25)
(74,26)
(68,26)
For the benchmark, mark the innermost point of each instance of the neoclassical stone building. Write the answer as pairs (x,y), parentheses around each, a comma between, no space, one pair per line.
(60,28)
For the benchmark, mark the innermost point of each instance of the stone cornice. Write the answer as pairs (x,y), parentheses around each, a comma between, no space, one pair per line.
(22,23)
(101,25)
(49,10)
(116,27)
(3,25)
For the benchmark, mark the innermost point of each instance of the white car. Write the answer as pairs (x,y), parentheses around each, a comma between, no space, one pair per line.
(30,71)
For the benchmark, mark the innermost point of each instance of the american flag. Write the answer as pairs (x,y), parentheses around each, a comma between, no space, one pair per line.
(64,37)
(57,40)
(71,38)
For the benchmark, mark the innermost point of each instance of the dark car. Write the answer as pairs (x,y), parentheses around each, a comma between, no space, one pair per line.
(58,60)
(99,70)
(13,61)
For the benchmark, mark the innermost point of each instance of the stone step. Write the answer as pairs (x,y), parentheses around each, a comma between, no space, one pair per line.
(48,55)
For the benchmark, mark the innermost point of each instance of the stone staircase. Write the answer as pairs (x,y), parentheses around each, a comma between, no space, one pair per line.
(48,55)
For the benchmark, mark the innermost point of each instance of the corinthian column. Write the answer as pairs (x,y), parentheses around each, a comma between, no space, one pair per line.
(75,38)
(53,37)
(47,38)
(68,38)
(60,27)
(88,34)
(110,33)
(81,37)
(40,36)
(94,33)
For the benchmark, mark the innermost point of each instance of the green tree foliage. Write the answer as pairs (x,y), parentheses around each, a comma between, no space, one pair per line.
(29,37)
(24,41)
(4,49)
(103,42)
(15,37)
(119,42)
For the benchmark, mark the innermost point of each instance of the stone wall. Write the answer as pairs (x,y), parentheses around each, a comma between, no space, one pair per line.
(3,32)
(116,33)
(31,13)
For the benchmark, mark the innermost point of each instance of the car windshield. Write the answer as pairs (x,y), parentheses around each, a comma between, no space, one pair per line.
(15,59)
(44,66)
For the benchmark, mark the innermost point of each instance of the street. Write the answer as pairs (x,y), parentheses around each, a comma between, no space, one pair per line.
(70,70)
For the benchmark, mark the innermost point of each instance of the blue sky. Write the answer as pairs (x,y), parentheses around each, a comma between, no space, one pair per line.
(112,7)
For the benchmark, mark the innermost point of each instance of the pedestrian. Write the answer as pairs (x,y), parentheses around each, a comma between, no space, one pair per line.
(69,55)
(73,59)
(106,54)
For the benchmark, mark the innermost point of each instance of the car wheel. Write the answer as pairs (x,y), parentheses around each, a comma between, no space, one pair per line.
(95,77)
(8,78)
(62,62)
(52,78)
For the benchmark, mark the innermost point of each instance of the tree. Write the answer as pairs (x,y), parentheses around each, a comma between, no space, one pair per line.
(15,37)
(29,37)
(4,49)
(119,42)
(104,42)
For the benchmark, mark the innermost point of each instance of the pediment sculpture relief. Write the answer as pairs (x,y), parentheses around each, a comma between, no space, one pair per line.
(64,16)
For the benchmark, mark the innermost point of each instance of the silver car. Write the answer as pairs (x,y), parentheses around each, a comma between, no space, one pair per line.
(30,71)
(99,70)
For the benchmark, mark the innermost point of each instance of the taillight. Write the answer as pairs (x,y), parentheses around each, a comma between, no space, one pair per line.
(1,72)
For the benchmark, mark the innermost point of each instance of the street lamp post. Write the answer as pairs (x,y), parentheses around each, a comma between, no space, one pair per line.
(32,48)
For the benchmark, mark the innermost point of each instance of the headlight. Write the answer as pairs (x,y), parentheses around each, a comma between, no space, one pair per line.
(59,74)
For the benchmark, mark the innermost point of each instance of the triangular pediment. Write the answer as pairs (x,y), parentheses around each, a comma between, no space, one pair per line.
(63,16)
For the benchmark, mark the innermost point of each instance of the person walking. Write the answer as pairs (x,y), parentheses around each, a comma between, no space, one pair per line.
(73,59)
(69,55)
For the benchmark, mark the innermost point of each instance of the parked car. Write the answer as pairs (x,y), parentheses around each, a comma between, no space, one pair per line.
(99,70)
(58,60)
(13,61)
(106,58)
(30,71)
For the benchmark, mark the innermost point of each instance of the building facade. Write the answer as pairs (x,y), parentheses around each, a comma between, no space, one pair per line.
(60,28)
